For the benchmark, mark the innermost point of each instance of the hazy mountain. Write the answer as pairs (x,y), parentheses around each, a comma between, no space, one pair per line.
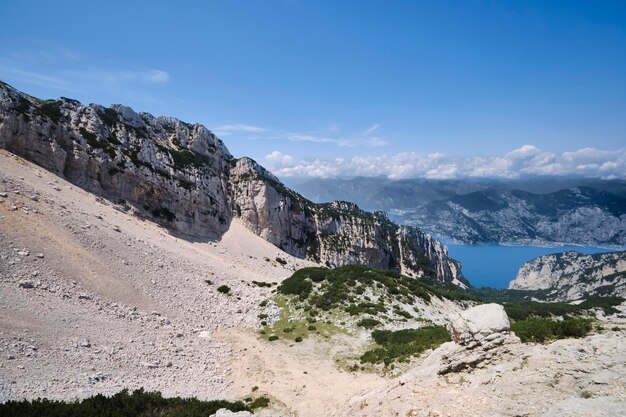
(532,210)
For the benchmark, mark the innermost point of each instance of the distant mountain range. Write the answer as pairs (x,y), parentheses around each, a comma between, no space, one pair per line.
(536,211)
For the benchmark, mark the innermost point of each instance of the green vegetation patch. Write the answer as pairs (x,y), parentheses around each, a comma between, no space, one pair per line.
(108,116)
(184,158)
(292,325)
(542,330)
(123,404)
(525,309)
(342,288)
(51,109)
(224,289)
(401,345)
(92,140)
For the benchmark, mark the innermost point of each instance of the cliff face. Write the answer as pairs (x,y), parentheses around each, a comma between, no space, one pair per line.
(182,176)
(167,170)
(572,275)
(336,233)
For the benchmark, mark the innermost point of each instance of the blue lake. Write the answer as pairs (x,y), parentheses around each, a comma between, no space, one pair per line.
(495,266)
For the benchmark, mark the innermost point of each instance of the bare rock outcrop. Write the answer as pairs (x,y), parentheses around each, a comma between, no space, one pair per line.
(482,335)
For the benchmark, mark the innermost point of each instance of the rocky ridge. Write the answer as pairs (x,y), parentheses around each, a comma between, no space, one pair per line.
(572,275)
(183,177)
(578,215)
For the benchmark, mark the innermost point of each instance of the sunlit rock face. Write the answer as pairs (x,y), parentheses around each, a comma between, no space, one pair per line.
(182,176)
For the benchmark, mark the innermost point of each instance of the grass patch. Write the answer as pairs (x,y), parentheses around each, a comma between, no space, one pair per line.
(293,324)
(123,404)
(541,330)
(401,345)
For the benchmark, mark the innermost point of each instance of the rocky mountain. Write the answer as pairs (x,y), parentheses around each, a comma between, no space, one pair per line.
(183,177)
(572,275)
(579,215)
(524,211)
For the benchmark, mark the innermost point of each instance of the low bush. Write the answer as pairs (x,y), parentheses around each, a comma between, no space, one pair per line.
(224,289)
(123,404)
(368,323)
(260,402)
(402,344)
(542,330)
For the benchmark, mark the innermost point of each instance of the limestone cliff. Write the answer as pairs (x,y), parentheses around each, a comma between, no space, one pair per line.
(572,275)
(183,177)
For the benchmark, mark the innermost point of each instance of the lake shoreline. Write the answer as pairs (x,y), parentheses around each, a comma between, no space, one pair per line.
(496,265)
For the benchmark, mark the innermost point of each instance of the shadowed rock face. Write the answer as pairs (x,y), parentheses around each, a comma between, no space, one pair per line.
(183,177)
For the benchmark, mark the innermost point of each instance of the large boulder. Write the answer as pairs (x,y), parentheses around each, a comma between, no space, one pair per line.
(482,335)
(477,323)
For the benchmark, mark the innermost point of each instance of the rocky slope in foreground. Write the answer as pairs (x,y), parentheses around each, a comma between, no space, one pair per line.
(572,275)
(183,177)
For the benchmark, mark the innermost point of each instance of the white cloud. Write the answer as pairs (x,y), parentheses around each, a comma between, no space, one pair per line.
(525,161)
(156,76)
(63,69)
(277,158)
(371,129)
(229,129)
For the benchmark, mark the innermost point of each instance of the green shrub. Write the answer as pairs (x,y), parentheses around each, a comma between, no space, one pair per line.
(224,289)
(184,158)
(260,402)
(402,344)
(272,338)
(108,116)
(311,328)
(296,285)
(298,339)
(541,330)
(52,109)
(281,261)
(368,323)
(122,404)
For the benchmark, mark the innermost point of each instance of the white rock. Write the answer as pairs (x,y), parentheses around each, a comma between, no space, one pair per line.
(223,412)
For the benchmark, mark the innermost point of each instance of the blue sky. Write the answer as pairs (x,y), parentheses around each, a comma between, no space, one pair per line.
(405,88)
